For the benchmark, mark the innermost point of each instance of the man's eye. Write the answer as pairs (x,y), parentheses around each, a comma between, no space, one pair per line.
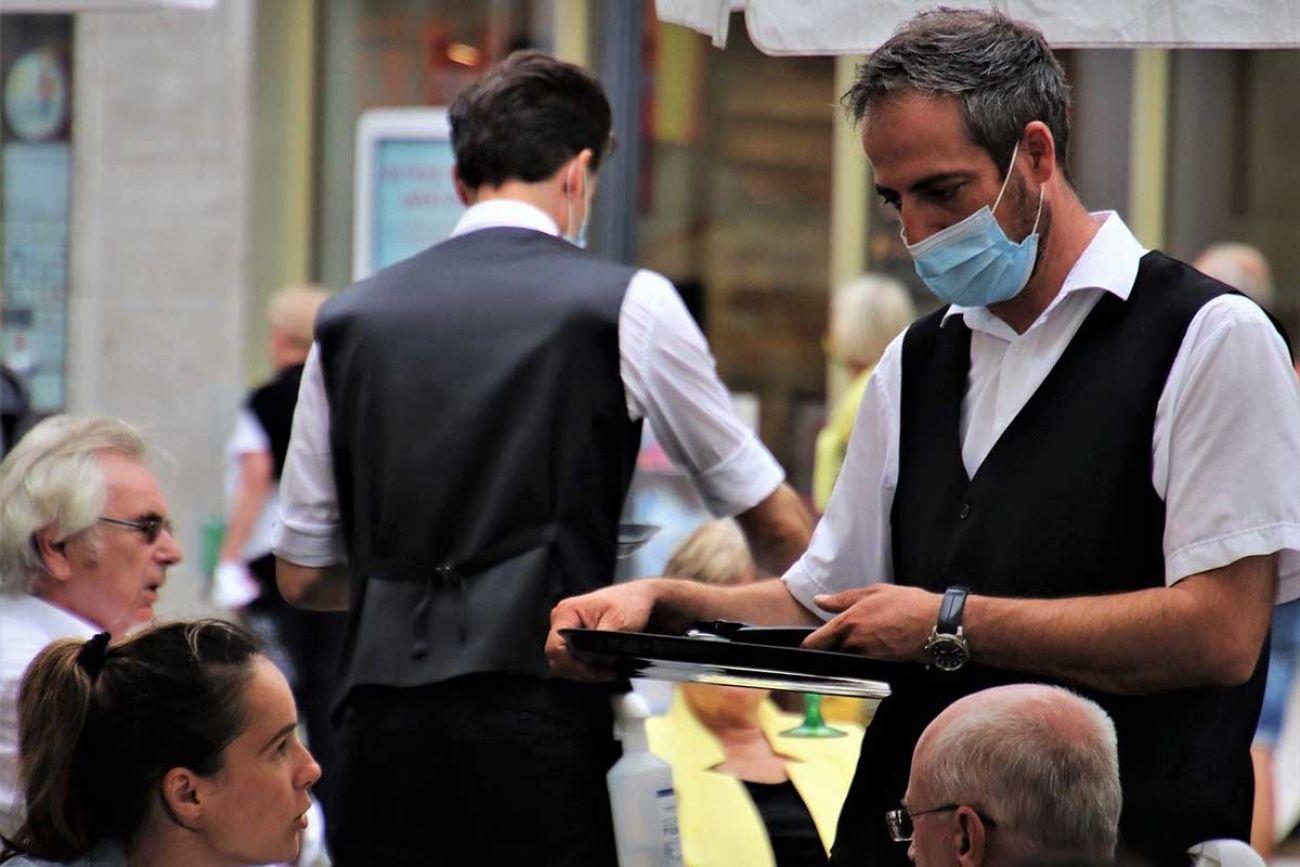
(941,194)
(282,747)
(889,201)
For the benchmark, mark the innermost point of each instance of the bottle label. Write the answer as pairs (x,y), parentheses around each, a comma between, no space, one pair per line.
(666,800)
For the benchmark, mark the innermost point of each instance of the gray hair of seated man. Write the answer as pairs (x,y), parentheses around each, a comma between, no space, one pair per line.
(1041,760)
(53,477)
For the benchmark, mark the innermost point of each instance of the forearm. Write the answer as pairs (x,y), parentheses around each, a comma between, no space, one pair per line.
(319,589)
(778,529)
(243,514)
(1205,630)
(679,603)
(250,497)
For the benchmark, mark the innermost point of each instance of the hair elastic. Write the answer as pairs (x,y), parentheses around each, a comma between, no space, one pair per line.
(92,654)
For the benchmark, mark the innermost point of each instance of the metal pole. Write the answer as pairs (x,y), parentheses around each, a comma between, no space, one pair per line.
(614,218)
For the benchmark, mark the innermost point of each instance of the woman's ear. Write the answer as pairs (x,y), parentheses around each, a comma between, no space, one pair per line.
(182,797)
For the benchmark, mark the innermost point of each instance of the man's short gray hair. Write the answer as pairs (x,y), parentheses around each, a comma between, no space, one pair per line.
(1043,764)
(1002,70)
(53,478)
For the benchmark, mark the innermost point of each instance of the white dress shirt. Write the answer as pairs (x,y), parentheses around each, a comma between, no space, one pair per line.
(27,625)
(1225,451)
(669,378)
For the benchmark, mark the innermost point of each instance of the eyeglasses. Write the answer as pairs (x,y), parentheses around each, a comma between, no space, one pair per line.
(900,824)
(150,526)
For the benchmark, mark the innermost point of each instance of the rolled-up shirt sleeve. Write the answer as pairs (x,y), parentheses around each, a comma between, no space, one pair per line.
(851,546)
(671,380)
(1227,447)
(308,532)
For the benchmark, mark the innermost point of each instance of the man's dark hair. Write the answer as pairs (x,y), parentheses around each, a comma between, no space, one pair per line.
(1002,70)
(525,118)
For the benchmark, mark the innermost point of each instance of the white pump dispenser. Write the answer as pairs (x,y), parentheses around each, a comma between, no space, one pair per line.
(641,794)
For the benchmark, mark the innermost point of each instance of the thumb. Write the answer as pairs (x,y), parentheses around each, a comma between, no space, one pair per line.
(838,601)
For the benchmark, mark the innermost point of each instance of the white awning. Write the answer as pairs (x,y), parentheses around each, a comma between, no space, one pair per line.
(101,5)
(783,27)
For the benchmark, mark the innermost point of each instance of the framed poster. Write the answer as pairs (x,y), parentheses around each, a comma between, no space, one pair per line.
(405,199)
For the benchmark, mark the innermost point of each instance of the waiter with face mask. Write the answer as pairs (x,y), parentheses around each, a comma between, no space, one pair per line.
(1080,470)
(467,428)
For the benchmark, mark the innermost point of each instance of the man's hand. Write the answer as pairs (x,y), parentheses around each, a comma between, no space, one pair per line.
(884,621)
(622,608)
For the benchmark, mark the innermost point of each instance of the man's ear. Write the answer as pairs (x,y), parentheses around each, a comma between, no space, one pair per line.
(971,839)
(1040,149)
(53,552)
(577,174)
(182,797)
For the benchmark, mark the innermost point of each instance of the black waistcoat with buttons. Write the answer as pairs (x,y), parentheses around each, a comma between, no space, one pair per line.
(1062,506)
(481,447)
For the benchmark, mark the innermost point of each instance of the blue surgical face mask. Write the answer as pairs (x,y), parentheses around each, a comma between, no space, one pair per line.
(973,263)
(579,238)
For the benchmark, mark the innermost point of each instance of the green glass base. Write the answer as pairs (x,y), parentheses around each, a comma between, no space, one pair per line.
(807,731)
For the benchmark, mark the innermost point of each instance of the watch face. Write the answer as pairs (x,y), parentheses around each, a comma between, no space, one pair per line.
(947,652)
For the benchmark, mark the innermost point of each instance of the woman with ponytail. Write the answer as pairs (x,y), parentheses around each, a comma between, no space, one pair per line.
(175,746)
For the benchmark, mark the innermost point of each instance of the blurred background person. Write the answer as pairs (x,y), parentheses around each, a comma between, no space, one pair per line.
(866,314)
(175,746)
(1245,269)
(85,544)
(16,415)
(746,797)
(306,645)
(1021,774)
(1242,267)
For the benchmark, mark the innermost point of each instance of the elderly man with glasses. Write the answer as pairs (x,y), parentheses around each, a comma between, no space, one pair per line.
(85,543)
(1012,775)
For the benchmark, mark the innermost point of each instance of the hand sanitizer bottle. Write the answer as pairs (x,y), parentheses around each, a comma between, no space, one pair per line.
(641,794)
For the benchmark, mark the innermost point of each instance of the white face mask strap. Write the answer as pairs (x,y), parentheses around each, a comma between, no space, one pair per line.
(1007,179)
(1041,195)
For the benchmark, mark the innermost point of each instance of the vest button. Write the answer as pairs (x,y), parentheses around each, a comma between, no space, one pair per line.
(964,512)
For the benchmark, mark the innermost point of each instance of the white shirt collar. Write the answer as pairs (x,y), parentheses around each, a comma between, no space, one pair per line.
(505,214)
(1109,263)
(47,618)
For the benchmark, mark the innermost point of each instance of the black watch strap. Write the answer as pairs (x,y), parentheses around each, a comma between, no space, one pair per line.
(954,600)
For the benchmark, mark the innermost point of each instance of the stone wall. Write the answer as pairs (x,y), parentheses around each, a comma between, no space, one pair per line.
(159,243)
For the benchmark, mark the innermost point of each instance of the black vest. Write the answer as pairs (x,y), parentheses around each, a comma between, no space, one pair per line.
(481,448)
(1062,506)
(273,404)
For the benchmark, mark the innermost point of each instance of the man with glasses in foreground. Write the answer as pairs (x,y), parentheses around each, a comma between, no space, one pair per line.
(1012,775)
(85,543)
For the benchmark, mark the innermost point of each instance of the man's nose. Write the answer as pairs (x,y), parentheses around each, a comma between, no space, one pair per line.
(168,548)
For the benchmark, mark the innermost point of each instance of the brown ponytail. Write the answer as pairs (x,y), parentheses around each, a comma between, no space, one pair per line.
(99,726)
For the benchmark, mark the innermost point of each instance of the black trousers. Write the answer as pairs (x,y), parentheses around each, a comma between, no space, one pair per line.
(482,769)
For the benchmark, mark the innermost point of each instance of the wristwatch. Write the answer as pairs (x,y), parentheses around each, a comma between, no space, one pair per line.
(946,648)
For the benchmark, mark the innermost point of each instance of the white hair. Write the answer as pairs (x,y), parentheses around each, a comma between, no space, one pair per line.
(1241,266)
(1044,764)
(715,552)
(867,313)
(53,478)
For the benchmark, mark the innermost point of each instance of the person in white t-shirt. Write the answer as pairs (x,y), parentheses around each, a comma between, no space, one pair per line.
(85,544)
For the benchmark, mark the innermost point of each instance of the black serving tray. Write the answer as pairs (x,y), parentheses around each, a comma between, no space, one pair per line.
(735,662)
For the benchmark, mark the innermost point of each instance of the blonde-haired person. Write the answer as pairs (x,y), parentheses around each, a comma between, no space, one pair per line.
(306,645)
(746,797)
(85,544)
(175,746)
(866,314)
